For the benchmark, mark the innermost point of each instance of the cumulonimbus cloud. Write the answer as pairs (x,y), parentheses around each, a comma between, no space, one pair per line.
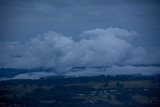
(99,47)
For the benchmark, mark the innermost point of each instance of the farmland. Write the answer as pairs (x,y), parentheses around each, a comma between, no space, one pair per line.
(95,91)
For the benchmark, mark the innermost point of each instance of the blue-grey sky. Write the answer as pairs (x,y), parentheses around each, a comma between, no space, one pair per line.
(21,20)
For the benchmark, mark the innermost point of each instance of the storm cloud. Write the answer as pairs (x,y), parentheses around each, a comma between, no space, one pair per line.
(99,47)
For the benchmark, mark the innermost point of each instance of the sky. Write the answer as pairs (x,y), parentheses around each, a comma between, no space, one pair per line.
(21,20)
(67,33)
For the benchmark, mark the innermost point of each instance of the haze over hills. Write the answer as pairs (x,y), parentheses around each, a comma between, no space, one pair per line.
(37,73)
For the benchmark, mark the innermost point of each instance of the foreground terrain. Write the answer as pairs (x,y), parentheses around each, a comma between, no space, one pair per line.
(95,91)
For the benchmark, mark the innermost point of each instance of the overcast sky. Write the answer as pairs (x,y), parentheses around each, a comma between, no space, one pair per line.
(21,20)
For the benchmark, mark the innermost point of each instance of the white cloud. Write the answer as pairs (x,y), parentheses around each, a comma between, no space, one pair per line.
(99,47)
